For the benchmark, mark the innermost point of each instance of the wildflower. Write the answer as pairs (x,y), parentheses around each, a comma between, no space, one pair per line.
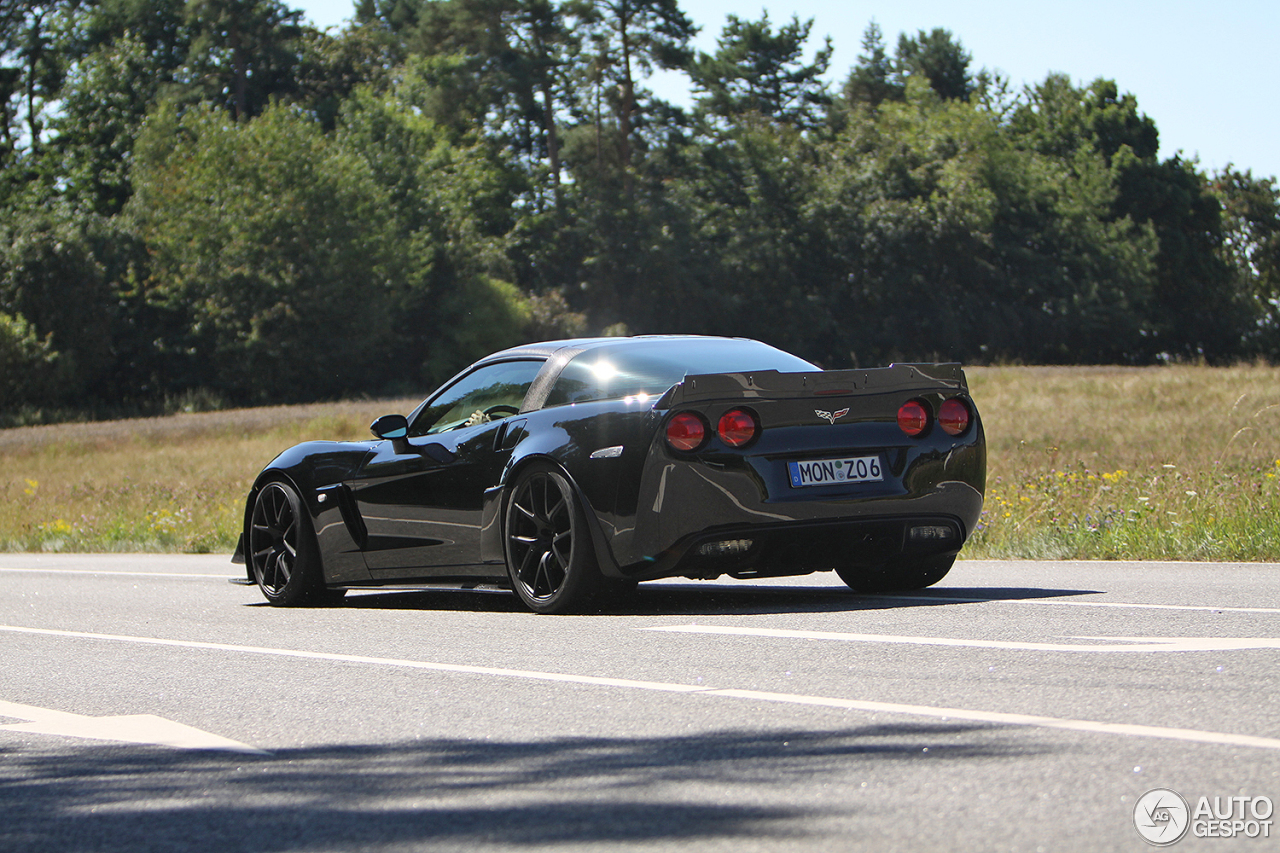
(32,485)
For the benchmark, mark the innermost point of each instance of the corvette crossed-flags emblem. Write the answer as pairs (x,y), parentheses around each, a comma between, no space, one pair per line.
(830,418)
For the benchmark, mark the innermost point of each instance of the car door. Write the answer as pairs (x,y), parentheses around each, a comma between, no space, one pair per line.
(420,497)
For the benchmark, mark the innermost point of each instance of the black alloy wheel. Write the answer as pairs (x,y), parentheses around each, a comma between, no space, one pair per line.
(897,577)
(550,558)
(282,548)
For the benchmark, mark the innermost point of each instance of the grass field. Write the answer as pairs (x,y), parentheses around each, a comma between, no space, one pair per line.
(1158,463)
(175,483)
(1085,462)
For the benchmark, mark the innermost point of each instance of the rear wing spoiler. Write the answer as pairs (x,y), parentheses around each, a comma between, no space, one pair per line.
(771,384)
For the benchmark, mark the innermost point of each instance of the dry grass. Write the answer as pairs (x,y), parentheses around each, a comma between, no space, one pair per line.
(1131,463)
(1107,462)
(155,484)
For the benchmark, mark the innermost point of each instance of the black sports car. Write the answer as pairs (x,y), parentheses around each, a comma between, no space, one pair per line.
(571,469)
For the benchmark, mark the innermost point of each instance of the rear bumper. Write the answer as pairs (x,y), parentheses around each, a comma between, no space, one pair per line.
(776,550)
(685,501)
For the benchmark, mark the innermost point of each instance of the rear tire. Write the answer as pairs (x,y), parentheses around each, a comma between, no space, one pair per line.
(282,548)
(550,557)
(897,577)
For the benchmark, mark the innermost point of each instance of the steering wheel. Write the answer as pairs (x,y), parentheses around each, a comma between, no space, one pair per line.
(503,408)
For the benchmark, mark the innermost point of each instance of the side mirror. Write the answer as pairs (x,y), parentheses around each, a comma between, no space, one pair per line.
(390,426)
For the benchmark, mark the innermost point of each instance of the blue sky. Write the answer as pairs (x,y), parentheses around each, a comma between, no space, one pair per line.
(1208,73)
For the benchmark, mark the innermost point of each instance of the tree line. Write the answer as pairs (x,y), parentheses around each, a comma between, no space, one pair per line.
(211,202)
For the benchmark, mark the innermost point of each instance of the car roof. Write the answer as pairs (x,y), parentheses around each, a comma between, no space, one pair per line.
(546,349)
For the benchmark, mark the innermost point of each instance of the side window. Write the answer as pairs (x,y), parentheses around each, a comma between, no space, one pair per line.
(598,377)
(489,393)
(576,384)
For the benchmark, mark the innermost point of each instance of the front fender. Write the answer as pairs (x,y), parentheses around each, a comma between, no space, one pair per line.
(318,471)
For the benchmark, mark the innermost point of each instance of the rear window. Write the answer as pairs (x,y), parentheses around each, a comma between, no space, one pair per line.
(651,367)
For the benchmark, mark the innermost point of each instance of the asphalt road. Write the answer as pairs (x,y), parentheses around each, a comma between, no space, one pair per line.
(147,704)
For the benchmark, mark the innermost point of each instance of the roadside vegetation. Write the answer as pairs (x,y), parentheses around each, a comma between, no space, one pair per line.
(204,199)
(1114,463)
(1164,463)
(170,484)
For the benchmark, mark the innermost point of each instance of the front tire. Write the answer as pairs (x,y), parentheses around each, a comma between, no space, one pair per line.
(550,557)
(282,548)
(897,577)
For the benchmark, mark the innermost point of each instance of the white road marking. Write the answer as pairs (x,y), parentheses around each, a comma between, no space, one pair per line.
(929,599)
(995,717)
(1058,602)
(411,664)
(1090,726)
(1117,644)
(126,574)
(133,728)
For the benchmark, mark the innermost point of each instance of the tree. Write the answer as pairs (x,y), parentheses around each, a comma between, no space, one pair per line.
(450,210)
(502,63)
(243,52)
(104,102)
(939,58)
(1200,313)
(1058,119)
(1251,247)
(58,271)
(331,67)
(159,27)
(546,45)
(33,61)
(872,81)
(750,254)
(34,65)
(949,242)
(629,38)
(392,16)
(1195,310)
(28,367)
(756,70)
(274,244)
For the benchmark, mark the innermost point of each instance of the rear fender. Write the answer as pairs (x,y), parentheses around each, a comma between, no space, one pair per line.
(493,518)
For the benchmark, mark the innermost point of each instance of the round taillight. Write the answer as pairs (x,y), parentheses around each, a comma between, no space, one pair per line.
(737,427)
(686,431)
(913,418)
(953,417)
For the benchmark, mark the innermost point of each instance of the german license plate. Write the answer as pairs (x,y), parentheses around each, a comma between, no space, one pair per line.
(827,472)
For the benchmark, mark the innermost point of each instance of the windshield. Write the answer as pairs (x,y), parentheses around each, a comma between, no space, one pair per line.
(648,368)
